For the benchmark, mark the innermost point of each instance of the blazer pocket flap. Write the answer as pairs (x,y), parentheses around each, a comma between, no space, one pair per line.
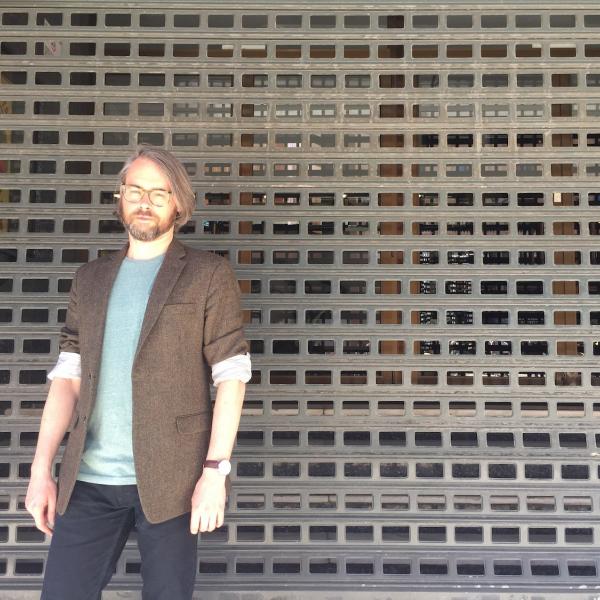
(193,423)
(183,308)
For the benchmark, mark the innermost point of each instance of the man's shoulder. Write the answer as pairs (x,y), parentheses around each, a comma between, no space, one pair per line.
(204,258)
(91,268)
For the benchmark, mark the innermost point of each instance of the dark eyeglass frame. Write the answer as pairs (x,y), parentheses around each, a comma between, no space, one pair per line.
(124,189)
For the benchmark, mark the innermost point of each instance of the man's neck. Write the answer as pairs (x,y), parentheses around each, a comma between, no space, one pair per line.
(145,250)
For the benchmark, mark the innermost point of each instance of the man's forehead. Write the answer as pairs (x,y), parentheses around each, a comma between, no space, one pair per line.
(143,171)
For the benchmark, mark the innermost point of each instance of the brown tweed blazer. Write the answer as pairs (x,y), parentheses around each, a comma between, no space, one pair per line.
(192,321)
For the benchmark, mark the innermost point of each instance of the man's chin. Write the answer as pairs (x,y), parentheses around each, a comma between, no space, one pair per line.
(143,234)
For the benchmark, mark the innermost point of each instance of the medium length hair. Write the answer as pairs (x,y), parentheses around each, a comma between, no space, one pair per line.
(174,171)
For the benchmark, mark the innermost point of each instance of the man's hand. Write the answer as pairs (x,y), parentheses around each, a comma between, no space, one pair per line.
(41,501)
(208,502)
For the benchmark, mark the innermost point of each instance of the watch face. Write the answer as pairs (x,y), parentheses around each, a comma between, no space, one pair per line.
(224,467)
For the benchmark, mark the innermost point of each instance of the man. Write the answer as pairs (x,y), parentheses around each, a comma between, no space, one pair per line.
(145,449)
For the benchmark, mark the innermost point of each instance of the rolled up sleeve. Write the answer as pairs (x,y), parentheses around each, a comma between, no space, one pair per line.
(235,368)
(69,334)
(223,329)
(68,366)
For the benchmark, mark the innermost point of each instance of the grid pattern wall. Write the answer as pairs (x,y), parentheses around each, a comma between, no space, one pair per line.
(410,197)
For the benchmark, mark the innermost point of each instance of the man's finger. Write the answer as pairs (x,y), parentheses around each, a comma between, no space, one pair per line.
(211,521)
(194,521)
(51,513)
(39,516)
(220,517)
(203,522)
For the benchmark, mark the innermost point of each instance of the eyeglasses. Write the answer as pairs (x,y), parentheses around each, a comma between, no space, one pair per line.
(134,194)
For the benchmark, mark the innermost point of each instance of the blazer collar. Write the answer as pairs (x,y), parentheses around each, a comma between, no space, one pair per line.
(175,248)
(98,298)
(164,283)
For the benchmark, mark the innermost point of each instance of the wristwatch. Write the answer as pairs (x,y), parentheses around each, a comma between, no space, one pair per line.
(223,466)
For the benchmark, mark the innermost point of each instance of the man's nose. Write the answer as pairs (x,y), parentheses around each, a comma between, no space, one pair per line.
(145,199)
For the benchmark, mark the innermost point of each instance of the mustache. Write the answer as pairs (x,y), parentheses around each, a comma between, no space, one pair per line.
(145,213)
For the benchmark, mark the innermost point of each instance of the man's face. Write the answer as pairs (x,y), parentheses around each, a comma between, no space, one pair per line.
(143,220)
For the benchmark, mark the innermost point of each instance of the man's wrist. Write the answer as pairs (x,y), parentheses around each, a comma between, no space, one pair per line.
(41,469)
(213,474)
(221,466)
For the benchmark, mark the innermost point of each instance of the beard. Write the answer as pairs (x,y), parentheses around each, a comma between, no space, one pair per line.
(147,231)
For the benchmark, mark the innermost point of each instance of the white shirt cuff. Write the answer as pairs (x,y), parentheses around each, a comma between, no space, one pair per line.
(237,367)
(68,366)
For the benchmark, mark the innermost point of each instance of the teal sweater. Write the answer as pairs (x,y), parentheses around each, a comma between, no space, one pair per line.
(108,454)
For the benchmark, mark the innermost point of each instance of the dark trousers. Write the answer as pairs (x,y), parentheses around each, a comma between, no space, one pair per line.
(89,538)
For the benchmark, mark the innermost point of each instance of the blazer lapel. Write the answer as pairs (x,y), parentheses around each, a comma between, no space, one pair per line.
(166,278)
(97,301)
